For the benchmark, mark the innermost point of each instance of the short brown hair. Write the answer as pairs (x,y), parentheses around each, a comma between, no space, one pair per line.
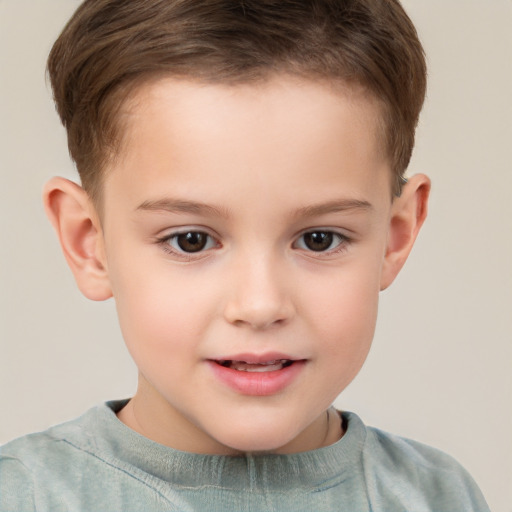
(109,47)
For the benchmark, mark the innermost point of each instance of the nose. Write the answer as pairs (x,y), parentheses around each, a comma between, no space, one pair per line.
(260,295)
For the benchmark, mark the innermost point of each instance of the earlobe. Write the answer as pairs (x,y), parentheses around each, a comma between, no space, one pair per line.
(74,218)
(407,216)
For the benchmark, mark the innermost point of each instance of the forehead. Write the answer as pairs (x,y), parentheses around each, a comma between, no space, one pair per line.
(284,128)
(257,100)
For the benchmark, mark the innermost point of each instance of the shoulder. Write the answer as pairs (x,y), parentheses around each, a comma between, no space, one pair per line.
(43,464)
(408,472)
(400,451)
(76,466)
(16,485)
(37,452)
(17,473)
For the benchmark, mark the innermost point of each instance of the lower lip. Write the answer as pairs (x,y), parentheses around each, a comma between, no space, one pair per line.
(257,383)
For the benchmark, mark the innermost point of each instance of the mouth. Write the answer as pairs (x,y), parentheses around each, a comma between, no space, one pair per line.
(260,367)
(257,375)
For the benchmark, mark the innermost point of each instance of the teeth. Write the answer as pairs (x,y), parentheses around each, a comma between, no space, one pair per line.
(259,367)
(267,366)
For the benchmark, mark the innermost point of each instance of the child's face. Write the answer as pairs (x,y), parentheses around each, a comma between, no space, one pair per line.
(246,224)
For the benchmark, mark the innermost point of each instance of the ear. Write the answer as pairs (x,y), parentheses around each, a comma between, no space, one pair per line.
(407,216)
(77,224)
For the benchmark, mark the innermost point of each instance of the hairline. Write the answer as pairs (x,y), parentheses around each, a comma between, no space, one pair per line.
(129,94)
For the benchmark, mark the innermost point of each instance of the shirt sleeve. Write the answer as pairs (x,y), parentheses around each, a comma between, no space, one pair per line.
(404,475)
(16,486)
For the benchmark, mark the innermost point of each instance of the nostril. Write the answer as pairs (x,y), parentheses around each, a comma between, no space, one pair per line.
(259,301)
(257,324)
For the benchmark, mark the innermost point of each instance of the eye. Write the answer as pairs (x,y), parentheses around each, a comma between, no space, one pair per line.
(320,241)
(190,241)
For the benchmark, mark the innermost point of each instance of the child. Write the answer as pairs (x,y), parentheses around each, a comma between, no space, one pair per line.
(243,201)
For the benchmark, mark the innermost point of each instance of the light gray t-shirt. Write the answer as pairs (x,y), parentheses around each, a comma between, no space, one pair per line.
(96,463)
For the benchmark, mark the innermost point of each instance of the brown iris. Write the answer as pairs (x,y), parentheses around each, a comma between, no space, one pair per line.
(318,240)
(193,241)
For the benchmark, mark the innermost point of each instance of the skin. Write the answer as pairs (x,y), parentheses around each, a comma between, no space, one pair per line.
(254,168)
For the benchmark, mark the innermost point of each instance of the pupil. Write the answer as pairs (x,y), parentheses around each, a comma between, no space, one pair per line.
(318,240)
(192,242)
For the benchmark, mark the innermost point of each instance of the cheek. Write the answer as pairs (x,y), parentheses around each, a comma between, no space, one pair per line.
(345,309)
(349,322)
(160,314)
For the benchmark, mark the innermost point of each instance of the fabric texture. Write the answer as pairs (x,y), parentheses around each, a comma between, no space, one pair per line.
(96,463)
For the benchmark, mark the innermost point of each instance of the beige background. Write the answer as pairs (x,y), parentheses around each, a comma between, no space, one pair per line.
(440,369)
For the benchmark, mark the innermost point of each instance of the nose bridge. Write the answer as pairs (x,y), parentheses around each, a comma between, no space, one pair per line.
(259,295)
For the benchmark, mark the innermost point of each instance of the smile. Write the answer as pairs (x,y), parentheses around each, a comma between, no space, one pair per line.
(257,376)
(266,366)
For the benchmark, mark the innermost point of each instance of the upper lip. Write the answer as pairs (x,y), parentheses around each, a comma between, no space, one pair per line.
(266,357)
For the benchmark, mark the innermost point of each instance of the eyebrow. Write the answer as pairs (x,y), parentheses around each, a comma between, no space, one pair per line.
(181,206)
(340,205)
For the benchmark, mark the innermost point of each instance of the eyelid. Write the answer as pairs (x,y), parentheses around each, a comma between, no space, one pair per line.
(169,234)
(342,246)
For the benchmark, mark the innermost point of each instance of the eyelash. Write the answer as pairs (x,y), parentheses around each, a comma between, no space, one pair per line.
(342,244)
(165,243)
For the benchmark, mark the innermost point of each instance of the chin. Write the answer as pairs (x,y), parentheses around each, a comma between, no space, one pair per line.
(252,446)
(256,440)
